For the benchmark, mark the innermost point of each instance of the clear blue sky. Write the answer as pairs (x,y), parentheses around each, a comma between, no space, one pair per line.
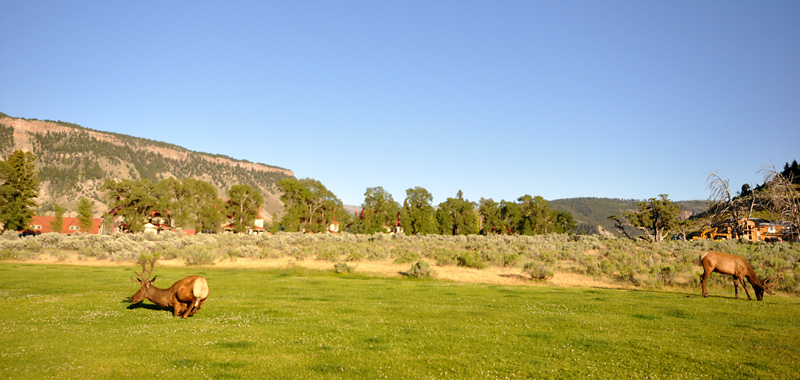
(622,99)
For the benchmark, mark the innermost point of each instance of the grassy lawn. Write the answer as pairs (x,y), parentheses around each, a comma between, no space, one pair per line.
(62,321)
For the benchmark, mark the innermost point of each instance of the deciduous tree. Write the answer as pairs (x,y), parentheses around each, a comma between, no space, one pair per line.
(536,216)
(491,217)
(379,211)
(512,216)
(243,205)
(309,206)
(132,200)
(295,196)
(417,215)
(457,216)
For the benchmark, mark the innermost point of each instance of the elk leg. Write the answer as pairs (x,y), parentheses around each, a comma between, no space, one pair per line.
(735,288)
(703,278)
(189,308)
(745,288)
(177,307)
(199,304)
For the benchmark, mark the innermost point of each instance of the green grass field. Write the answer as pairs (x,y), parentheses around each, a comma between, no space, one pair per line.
(61,321)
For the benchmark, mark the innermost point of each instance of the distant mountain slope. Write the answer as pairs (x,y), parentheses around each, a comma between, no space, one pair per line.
(592,213)
(74,161)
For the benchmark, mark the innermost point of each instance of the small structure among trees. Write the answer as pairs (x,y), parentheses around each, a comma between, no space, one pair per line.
(748,214)
(752,229)
(68,226)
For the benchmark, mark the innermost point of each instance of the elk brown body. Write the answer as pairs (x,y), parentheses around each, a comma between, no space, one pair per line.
(185,296)
(735,266)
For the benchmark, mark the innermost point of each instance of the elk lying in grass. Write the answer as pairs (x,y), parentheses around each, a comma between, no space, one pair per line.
(185,296)
(737,267)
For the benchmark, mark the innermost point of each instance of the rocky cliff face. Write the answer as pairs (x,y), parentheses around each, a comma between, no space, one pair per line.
(74,161)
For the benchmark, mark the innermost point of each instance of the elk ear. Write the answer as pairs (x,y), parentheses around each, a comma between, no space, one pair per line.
(153,279)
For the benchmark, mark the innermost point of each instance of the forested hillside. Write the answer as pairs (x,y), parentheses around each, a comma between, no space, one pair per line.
(591,214)
(74,161)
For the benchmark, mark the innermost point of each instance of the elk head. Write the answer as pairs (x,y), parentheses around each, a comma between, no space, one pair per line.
(768,283)
(145,281)
(766,287)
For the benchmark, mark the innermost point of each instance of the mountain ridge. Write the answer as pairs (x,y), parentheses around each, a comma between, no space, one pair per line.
(75,161)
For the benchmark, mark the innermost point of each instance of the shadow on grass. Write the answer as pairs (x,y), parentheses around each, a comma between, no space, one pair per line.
(148,306)
(687,293)
(516,277)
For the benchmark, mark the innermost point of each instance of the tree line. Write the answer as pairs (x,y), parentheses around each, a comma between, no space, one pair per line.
(310,207)
(187,204)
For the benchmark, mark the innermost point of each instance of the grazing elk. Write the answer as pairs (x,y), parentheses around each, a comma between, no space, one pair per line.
(735,266)
(184,296)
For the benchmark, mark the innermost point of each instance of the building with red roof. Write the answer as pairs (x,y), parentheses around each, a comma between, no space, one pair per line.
(42,224)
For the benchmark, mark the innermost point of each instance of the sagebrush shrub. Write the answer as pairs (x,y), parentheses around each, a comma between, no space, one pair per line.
(407,257)
(342,267)
(10,235)
(199,256)
(421,269)
(471,259)
(537,270)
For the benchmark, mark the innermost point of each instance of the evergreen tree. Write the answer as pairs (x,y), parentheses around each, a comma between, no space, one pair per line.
(19,187)
(445,223)
(565,223)
(58,223)
(655,218)
(85,214)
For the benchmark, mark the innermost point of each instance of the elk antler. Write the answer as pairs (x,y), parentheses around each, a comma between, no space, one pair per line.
(142,277)
(769,282)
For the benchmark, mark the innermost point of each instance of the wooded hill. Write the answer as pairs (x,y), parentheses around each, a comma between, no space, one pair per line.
(74,161)
(591,214)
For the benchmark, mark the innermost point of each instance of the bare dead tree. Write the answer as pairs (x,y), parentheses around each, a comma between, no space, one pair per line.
(725,203)
(722,199)
(782,195)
